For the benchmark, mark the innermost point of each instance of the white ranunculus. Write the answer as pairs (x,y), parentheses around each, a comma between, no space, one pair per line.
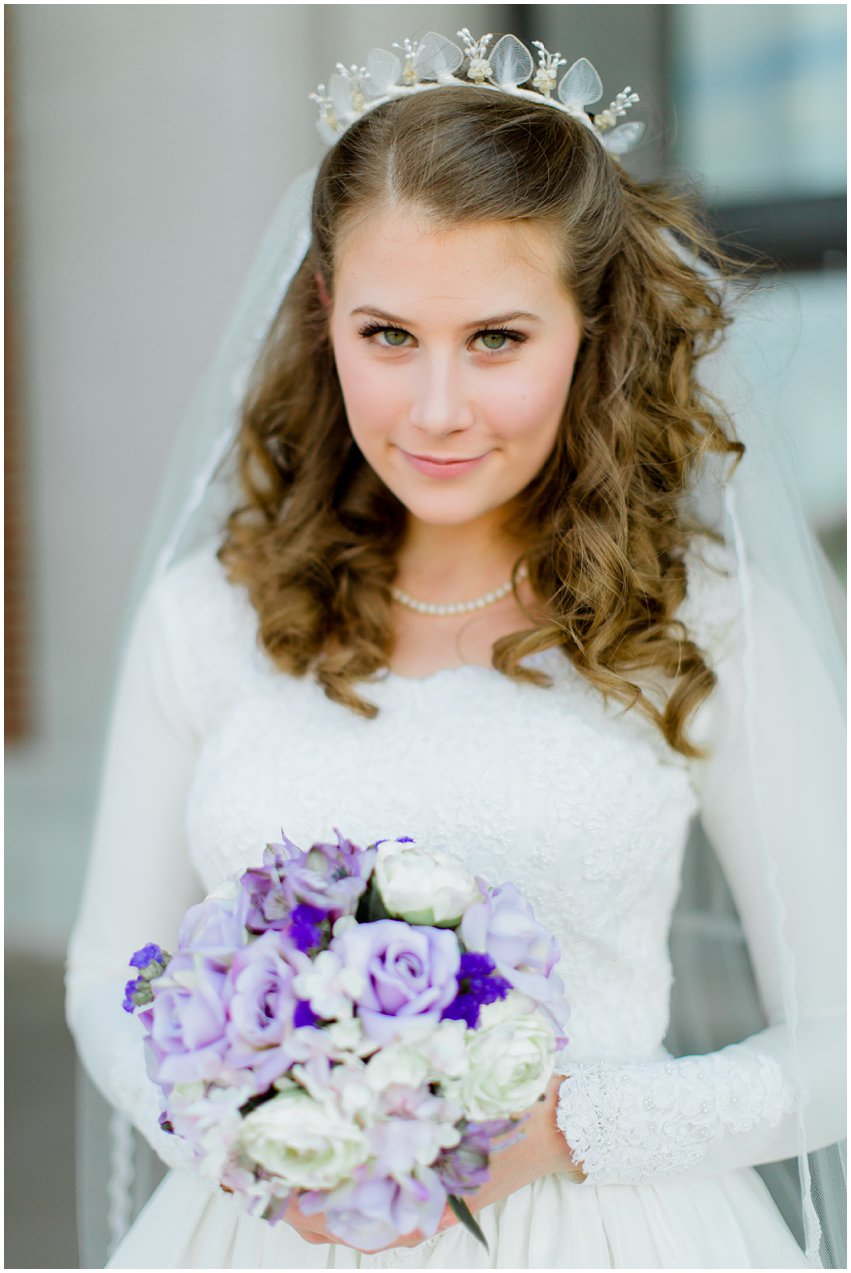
(308,1144)
(423,886)
(511,1057)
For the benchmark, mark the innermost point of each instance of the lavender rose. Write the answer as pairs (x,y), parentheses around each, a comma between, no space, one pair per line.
(263,1006)
(504,926)
(216,925)
(186,1022)
(370,1213)
(408,972)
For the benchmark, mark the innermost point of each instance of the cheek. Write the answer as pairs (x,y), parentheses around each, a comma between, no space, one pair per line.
(371,399)
(531,404)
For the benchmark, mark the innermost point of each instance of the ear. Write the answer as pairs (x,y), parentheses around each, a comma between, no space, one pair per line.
(322,290)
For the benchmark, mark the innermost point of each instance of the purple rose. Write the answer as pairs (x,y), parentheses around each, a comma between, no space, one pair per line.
(187,1019)
(214,925)
(504,926)
(371,1213)
(409,969)
(262,1005)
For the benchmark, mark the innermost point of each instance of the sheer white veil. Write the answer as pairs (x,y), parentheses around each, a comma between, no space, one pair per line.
(759,516)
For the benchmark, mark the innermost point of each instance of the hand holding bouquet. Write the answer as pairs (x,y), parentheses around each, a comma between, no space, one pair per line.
(359,1027)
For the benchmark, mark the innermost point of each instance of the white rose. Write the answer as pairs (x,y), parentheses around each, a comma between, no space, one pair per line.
(423,887)
(309,1145)
(511,1057)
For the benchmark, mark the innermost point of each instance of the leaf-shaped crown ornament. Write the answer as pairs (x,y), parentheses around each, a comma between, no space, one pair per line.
(432,62)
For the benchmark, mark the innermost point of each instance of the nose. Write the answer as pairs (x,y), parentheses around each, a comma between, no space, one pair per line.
(440,404)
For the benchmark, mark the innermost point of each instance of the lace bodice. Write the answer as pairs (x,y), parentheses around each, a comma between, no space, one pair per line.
(214,752)
(536,786)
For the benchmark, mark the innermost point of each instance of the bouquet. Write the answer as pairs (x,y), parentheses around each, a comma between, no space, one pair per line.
(362,1028)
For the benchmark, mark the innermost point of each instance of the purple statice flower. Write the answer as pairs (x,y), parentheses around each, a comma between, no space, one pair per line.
(305,927)
(408,970)
(152,962)
(477,984)
(148,958)
(137,993)
(304,1014)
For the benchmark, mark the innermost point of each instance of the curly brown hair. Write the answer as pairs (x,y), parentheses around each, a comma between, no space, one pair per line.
(316,540)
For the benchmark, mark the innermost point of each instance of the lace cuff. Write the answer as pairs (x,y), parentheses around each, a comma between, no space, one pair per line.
(626,1124)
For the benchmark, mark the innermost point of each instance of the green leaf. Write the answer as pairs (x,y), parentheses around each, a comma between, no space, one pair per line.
(375,905)
(464,1214)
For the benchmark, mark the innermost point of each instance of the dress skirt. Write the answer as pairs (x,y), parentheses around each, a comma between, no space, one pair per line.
(717,1222)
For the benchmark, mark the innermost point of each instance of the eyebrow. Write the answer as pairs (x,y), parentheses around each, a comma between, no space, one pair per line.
(479,322)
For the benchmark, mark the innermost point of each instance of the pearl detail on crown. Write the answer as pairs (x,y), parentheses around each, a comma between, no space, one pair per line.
(431,63)
(458,607)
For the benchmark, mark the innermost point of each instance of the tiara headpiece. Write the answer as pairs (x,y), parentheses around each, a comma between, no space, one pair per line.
(433,61)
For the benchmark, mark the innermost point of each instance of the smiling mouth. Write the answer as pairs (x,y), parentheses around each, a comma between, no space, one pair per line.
(455,459)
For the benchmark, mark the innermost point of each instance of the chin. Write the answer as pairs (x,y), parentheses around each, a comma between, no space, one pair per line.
(444,512)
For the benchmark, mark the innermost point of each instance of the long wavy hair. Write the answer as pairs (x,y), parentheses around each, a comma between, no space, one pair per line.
(315,541)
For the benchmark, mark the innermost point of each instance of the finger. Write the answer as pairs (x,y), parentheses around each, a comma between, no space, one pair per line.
(447,1220)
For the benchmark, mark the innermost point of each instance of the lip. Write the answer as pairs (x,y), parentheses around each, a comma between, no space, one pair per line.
(443,468)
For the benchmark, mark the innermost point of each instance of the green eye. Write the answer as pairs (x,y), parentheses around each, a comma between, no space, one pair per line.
(394,336)
(494,340)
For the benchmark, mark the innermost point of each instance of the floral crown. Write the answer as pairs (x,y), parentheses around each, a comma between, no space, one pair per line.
(432,62)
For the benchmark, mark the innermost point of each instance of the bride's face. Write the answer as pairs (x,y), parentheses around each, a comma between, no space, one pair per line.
(455,345)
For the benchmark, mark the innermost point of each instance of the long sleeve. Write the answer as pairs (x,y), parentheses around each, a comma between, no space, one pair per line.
(737,1106)
(139,880)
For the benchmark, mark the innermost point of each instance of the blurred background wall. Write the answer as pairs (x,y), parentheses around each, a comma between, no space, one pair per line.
(147,146)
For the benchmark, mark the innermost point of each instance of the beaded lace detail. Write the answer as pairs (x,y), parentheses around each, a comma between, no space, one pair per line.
(626,1124)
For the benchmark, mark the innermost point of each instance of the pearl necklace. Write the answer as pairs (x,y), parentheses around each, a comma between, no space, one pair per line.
(458,607)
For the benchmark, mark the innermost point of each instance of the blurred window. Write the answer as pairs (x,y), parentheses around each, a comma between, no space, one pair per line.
(759,91)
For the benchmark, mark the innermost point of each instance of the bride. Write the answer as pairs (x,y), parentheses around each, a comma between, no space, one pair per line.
(486,582)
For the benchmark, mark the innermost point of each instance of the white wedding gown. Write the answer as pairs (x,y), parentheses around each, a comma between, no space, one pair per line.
(212,752)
